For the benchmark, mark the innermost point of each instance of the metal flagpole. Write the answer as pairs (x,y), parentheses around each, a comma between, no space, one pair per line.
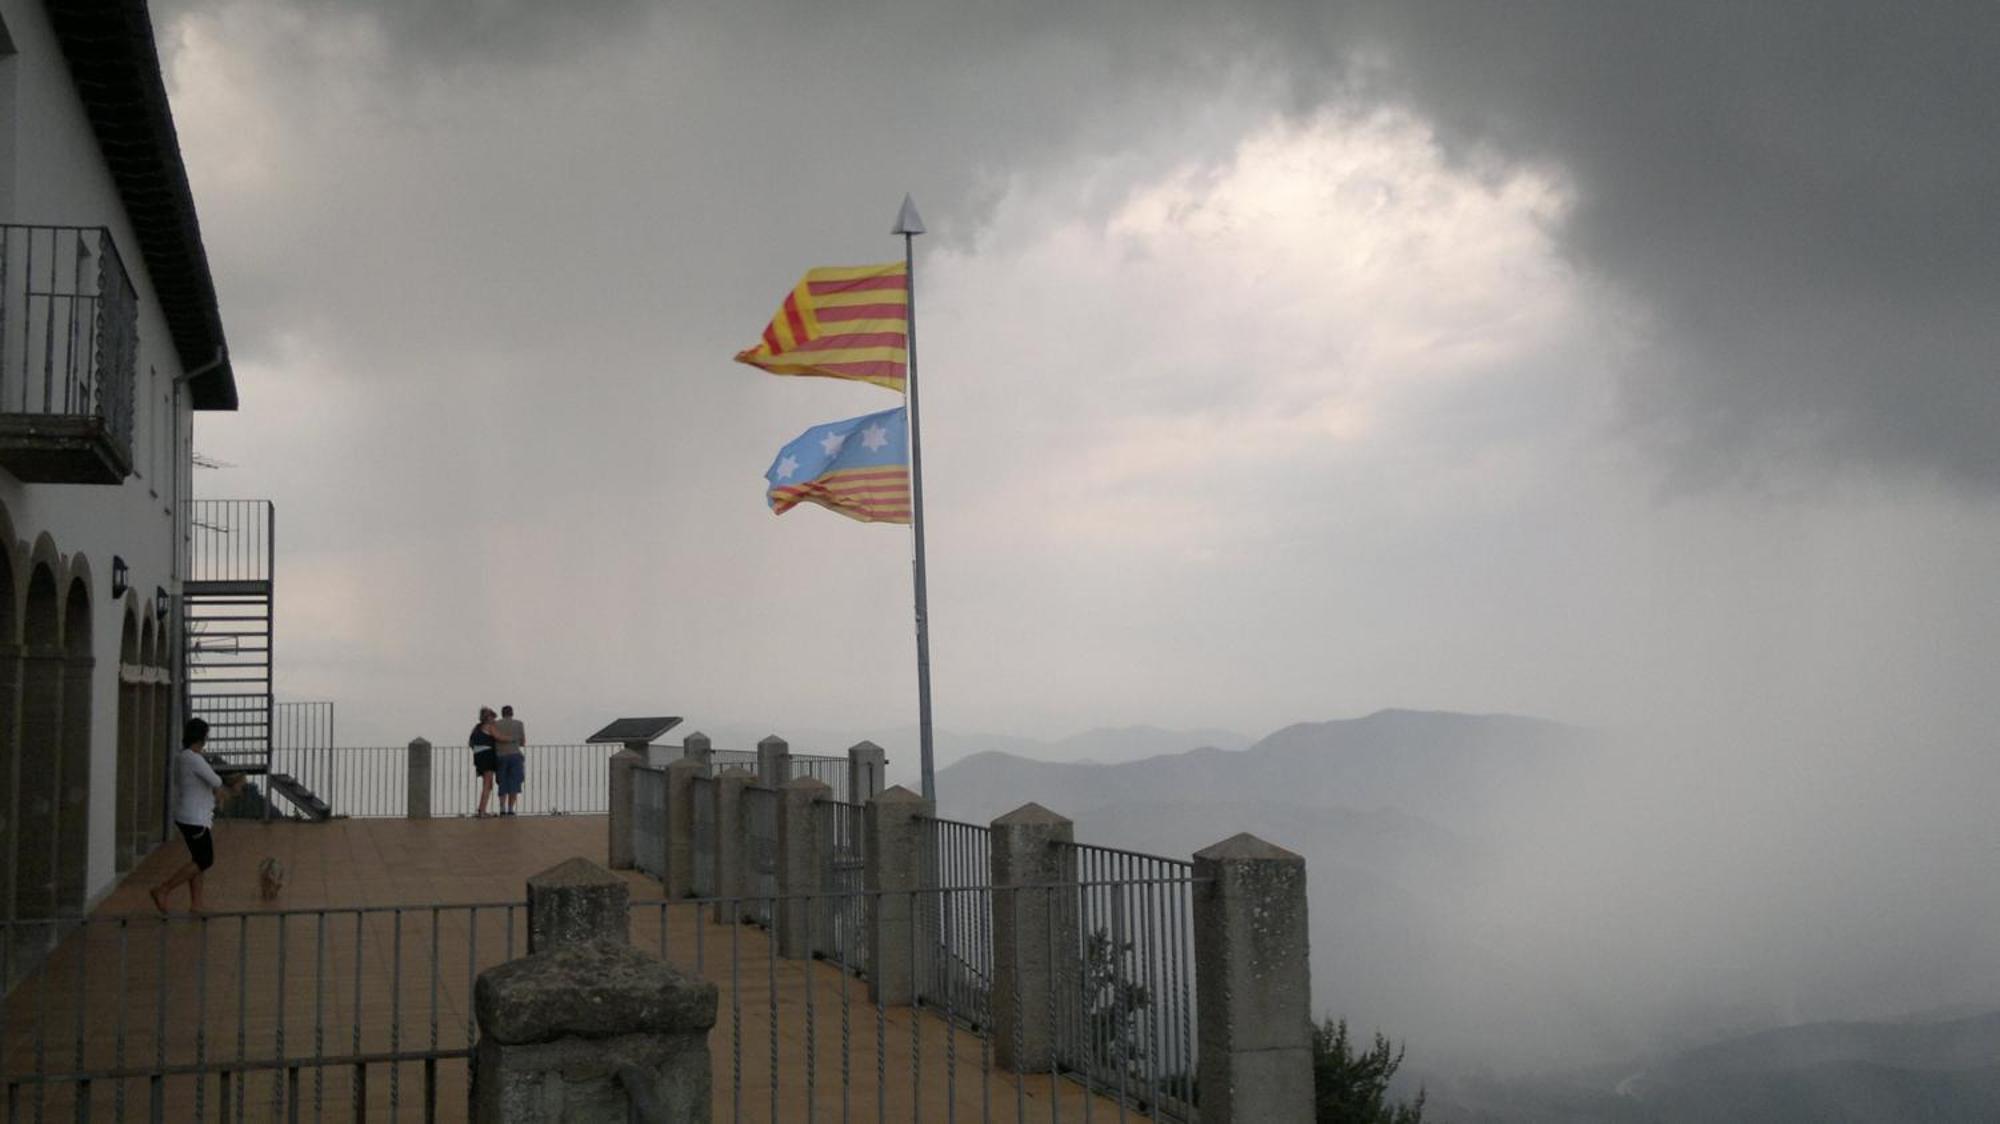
(909,225)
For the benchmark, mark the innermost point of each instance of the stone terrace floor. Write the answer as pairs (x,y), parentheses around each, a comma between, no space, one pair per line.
(135,989)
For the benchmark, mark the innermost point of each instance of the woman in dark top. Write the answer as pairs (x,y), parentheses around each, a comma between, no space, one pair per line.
(485,762)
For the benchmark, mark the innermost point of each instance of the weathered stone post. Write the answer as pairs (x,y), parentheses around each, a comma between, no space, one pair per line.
(417,798)
(696,747)
(1034,933)
(801,863)
(618,808)
(1253,990)
(866,764)
(729,844)
(679,866)
(585,1026)
(774,762)
(897,953)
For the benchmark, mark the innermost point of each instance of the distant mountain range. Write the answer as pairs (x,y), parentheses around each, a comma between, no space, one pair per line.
(1819,1073)
(1401,816)
(1426,763)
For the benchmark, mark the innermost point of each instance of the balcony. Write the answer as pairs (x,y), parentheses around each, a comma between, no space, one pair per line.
(69,349)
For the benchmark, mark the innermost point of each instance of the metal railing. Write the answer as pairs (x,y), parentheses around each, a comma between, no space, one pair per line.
(960,854)
(1133,1031)
(841,932)
(352,1013)
(760,851)
(231,540)
(295,1014)
(69,327)
(805,1032)
(373,781)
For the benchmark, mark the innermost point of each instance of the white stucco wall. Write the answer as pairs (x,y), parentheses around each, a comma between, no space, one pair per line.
(58,177)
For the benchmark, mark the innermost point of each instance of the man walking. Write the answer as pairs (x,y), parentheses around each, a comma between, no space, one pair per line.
(509,738)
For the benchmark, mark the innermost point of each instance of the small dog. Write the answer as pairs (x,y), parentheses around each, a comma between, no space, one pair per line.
(271,878)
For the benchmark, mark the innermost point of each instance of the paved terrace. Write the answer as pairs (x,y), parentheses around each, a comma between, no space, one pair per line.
(300,980)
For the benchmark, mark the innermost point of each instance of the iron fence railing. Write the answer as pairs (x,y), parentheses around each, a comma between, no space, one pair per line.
(1133,1026)
(373,781)
(960,854)
(760,851)
(366,1013)
(841,932)
(231,540)
(69,327)
(295,1014)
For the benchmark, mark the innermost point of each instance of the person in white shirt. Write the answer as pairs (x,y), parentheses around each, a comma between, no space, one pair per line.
(197,790)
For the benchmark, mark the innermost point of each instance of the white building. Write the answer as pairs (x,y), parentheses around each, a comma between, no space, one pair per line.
(110,341)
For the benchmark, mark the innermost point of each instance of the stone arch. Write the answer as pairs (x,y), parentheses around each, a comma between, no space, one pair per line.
(72,829)
(33,844)
(131,779)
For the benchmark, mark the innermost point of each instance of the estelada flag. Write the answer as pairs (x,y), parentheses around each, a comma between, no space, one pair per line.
(842,322)
(859,467)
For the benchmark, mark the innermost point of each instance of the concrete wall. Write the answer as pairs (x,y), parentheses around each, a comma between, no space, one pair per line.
(51,173)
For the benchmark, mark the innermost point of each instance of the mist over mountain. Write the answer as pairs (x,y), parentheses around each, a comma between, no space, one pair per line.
(1568,924)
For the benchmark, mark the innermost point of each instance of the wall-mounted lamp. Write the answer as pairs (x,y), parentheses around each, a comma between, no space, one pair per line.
(160,603)
(121,577)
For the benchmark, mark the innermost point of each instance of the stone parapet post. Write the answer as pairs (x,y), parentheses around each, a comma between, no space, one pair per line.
(585,1027)
(801,863)
(417,793)
(679,864)
(1253,990)
(894,829)
(729,842)
(618,808)
(774,762)
(697,748)
(1034,933)
(866,765)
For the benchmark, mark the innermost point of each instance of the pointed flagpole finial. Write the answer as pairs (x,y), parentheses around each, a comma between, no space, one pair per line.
(907,219)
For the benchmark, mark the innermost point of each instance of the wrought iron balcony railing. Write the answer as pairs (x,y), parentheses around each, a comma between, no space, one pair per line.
(69,349)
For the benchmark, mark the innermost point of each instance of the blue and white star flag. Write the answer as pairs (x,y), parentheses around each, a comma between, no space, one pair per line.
(859,467)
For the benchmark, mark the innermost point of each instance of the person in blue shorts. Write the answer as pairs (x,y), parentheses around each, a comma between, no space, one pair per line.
(510,738)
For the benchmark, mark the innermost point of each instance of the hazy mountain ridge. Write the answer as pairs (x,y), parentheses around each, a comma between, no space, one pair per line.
(1890,1070)
(1425,763)
(1402,816)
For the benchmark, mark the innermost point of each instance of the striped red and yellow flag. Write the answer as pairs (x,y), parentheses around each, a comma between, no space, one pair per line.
(842,322)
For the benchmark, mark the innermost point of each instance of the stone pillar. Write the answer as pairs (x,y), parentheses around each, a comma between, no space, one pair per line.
(1034,933)
(679,866)
(897,953)
(417,796)
(866,765)
(774,762)
(729,844)
(586,1027)
(576,900)
(697,748)
(618,808)
(1253,993)
(801,863)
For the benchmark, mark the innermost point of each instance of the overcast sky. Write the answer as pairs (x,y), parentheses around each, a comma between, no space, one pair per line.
(1625,364)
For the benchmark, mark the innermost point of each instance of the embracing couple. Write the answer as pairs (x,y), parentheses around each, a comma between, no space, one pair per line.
(496,743)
